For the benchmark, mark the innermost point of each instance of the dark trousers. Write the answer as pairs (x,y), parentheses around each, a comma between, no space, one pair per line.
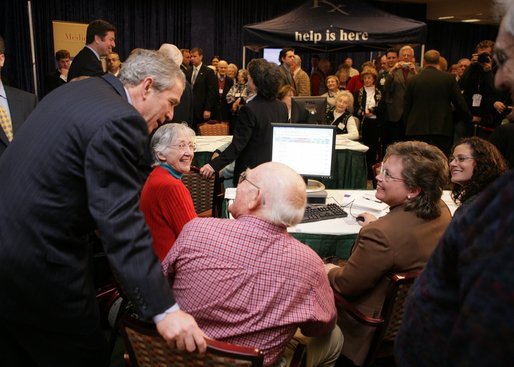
(442,142)
(394,131)
(371,136)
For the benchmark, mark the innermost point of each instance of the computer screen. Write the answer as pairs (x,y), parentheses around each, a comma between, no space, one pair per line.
(308,149)
(308,110)
(271,55)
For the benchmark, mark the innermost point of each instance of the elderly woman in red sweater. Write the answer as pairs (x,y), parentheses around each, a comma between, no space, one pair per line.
(165,202)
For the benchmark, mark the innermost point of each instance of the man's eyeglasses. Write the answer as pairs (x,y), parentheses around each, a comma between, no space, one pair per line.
(387,176)
(183,146)
(242,177)
(459,158)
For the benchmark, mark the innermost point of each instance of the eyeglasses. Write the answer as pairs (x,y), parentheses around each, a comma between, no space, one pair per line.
(242,177)
(183,146)
(459,158)
(387,176)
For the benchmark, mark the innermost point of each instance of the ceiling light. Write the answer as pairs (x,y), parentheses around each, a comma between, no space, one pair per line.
(447,17)
(470,20)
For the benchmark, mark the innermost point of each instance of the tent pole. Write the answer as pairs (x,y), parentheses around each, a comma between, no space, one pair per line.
(244,58)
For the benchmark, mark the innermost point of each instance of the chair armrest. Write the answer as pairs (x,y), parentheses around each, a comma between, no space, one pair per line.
(342,303)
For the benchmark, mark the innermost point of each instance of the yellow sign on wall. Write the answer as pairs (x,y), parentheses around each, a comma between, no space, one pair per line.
(69,36)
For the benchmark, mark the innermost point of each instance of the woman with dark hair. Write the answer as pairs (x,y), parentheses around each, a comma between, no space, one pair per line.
(411,182)
(474,164)
(251,144)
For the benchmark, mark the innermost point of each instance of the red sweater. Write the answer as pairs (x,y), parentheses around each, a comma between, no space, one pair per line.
(167,206)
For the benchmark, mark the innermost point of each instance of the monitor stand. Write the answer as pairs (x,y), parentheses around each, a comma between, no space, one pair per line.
(314,186)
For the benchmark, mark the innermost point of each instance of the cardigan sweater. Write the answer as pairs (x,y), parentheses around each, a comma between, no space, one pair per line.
(167,206)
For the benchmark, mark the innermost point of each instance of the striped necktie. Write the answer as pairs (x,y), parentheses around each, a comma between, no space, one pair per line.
(195,74)
(6,124)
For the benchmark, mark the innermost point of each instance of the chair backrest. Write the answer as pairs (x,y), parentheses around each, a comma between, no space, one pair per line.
(391,316)
(202,192)
(146,348)
(214,128)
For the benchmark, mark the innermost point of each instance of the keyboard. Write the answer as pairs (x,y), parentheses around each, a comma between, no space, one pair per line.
(317,212)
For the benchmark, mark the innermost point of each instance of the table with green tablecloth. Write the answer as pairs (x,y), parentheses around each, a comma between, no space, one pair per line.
(350,161)
(335,237)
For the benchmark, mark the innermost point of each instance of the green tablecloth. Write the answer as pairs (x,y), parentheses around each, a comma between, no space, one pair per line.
(328,245)
(201,158)
(350,171)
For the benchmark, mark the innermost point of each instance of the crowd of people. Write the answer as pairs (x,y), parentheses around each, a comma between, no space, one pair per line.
(103,153)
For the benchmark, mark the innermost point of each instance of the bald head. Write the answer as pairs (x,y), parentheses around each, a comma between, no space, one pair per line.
(283,193)
(172,52)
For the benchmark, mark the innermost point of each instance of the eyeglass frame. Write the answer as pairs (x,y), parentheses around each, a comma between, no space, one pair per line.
(459,159)
(182,146)
(242,177)
(387,176)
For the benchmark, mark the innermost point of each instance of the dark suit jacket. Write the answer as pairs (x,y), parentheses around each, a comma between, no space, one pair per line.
(428,103)
(184,111)
(73,168)
(224,112)
(53,80)
(251,144)
(21,104)
(205,93)
(395,86)
(85,63)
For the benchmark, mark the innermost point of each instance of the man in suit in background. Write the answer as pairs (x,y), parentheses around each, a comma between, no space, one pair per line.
(113,63)
(59,76)
(401,69)
(286,58)
(100,37)
(429,98)
(225,82)
(205,88)
(76,167)
(301,78)
(185,66)
(184,111)
(15,106)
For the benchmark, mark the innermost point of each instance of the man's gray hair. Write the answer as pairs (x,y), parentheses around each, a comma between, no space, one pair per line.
(165,135)
(406,47)
(147,63)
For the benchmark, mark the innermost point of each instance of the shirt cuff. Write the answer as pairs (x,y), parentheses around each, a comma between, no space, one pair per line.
(158,318)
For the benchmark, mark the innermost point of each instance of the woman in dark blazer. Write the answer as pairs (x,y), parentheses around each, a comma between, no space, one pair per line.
(369,107)
(251,144)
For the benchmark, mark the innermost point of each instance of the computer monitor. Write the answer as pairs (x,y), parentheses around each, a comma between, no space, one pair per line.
(272,55)
(308,110)
(308,149)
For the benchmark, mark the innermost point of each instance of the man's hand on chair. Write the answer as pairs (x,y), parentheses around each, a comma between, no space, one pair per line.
(180,329)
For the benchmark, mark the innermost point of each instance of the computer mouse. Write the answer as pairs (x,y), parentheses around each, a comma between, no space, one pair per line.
(360,218)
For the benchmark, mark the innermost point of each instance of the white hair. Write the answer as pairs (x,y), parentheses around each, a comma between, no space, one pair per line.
(172,52)
(165,135)
(284,194)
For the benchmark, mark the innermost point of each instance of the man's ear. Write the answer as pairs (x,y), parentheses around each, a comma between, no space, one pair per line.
(256,202)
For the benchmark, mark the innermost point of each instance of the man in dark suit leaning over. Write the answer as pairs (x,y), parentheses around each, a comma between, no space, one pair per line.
(100,37)
(75,167)
(15,106)
(205,88)
(428,105)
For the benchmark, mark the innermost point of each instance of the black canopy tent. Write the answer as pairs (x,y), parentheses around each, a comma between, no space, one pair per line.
(323,25)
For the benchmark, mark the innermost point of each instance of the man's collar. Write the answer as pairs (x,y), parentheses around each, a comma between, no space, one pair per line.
(96,53)
(2,90)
